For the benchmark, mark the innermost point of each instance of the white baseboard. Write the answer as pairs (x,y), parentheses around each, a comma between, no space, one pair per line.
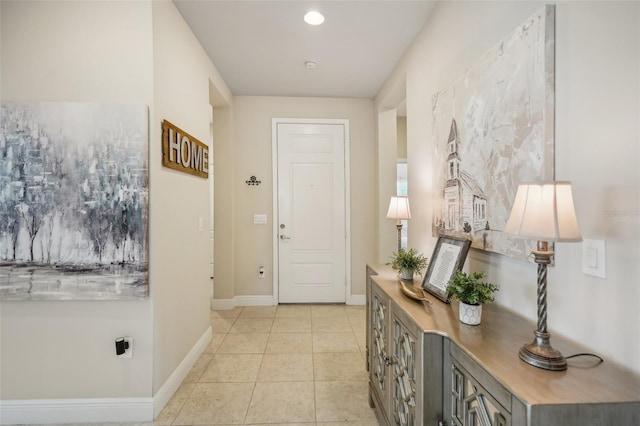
(101,410)
(81,410)
(222,304)
(172,384)
(357,299)
(227,304)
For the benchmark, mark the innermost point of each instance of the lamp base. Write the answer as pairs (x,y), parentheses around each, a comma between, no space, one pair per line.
(399,227)
(541,354)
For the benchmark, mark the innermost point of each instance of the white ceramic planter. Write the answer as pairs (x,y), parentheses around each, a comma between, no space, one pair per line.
(406,274)
(470,314)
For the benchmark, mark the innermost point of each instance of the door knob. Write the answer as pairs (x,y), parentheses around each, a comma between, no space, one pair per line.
(284,237)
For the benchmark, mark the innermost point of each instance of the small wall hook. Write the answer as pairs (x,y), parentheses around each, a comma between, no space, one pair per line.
(253,181)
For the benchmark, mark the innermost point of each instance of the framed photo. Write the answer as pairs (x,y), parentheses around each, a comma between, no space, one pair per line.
(448,256)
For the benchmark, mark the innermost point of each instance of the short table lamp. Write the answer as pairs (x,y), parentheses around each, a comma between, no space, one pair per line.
(543,211)
(399,210)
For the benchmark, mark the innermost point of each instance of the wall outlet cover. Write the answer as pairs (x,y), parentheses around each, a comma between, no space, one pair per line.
(259,219)
(594,258)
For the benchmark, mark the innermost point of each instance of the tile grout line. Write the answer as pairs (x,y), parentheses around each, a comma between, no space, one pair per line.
(315,379)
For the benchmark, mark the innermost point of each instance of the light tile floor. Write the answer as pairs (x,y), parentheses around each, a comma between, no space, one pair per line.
(279,365)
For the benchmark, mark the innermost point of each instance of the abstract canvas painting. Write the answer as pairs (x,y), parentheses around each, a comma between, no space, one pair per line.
(493,128)
(73,201)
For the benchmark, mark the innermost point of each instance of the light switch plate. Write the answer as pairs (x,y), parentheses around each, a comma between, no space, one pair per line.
(259,219)
(594,258)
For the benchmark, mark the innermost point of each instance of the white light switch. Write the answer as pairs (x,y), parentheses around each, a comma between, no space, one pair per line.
(259,219)
(593,258)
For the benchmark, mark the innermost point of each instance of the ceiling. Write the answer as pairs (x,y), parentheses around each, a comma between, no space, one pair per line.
(260,47)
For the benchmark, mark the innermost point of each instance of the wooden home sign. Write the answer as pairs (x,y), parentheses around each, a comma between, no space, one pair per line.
(183,152)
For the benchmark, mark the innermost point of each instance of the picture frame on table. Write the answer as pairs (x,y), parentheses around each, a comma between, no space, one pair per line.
(448,256)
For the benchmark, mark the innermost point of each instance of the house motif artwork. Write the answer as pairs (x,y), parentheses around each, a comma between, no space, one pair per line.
(492,128)
(464,201)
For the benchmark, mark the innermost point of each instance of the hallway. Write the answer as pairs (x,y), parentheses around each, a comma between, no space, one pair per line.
(278,365)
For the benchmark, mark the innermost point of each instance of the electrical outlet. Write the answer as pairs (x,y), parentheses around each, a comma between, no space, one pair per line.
(124,347)
(261,272)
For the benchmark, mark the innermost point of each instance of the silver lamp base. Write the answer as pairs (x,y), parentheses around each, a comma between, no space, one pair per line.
(541,354)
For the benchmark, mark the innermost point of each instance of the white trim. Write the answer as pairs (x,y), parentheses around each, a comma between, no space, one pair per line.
(222,304)
(357,299)
(268,300)
(77,410)
(347,210)
(172,384)
(228,304)
(274,214)
(347,184)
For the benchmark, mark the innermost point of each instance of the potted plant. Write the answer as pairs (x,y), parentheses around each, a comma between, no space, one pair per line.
(408,262)
(472,293)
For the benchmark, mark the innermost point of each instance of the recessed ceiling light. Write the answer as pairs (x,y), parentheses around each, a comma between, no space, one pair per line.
(313,18)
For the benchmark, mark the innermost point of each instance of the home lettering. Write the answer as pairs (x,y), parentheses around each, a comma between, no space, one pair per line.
(183,152)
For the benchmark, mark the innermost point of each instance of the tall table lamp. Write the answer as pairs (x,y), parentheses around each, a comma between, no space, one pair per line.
(543,211)
(399,210)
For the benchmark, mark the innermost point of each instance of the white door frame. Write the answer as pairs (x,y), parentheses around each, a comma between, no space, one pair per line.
(347,195)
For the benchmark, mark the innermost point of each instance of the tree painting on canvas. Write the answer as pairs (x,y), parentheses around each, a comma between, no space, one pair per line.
(73,201)
(493,128)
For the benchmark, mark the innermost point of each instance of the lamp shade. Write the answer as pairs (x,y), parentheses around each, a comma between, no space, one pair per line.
(543,211)
(399,208)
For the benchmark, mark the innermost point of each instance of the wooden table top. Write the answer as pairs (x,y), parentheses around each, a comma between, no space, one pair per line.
(494,344)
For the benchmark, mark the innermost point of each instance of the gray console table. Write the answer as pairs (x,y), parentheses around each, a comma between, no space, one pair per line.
(427,368)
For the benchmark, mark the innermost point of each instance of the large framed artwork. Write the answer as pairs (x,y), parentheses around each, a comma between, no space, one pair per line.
(493,128)
(73,201)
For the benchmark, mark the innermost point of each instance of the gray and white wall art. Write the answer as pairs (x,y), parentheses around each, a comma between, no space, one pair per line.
(73,201)
(493,128)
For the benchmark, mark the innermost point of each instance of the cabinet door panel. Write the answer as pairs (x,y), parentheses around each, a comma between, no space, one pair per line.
(380,361)
(471,404)
(404,375)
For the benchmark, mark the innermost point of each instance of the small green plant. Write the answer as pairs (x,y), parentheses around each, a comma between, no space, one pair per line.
(405,260)
(470,289)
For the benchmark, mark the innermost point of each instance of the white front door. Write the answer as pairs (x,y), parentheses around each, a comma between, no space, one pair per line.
(311,212)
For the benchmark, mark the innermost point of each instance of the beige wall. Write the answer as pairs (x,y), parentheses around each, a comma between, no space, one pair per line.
(251,244)
(402,137)
(89,52)
(387,122)
(597,148)
(133,52)
(179,202)
(224,219)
